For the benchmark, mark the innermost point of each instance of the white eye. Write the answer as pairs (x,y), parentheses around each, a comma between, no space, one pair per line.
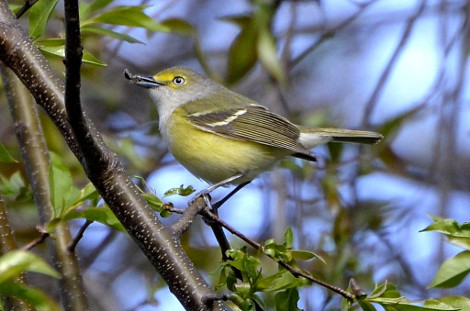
(178,80)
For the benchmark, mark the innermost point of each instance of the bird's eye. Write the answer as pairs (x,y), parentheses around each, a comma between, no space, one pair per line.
(178,80)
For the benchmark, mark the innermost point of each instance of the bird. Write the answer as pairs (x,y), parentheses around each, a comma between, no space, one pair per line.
(223,137)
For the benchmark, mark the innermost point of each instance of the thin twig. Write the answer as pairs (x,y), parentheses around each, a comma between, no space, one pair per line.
(44,235)
(330,33)
(26,6)
(391,63)
(209,215)
(79,235)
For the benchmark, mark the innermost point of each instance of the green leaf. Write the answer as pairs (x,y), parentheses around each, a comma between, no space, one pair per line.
(287,300)
(13,186)
(463,303)
(385,290)
(179,191)
(239,20)
(78,198)
(390,299)
(5,156)
(59,51)
(244,262)
(402,304)
(39,16)
(267,54)
(449,227)
(460,242)
(288,238)
(88,58)
(243,54)
(108,32)
(100,214)
(457,234)
(60,182)
(128,16)
(276,251)
(306,255)
(365,305)
(87,193)
(33,296)
(50,42)
(279,281)
(452,271)
(445,304)
(92,7)
(16,262)
(179,26)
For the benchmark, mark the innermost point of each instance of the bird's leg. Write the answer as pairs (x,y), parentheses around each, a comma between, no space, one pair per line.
(219,203)
(205,193)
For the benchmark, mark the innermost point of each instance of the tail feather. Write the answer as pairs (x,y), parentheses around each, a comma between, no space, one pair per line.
(311,137)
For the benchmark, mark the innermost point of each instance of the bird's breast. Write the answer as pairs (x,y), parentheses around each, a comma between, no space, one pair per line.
(214,158)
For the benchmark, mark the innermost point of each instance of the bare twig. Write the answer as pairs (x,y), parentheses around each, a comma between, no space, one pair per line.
(40,239)
(388,68)
(330,33)
(79,235)
(26,6)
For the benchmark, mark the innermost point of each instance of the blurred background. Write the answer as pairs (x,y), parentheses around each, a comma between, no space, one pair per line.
(399,67)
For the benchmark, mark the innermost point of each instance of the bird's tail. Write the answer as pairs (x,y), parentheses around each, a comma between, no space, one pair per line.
(311,137)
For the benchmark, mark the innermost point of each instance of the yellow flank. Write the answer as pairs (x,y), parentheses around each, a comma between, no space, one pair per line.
(214,158)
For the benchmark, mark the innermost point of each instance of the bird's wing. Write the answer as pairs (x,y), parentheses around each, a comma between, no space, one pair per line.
(253,123)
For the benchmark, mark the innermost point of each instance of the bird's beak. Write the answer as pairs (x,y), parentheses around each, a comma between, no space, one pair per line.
(142,80)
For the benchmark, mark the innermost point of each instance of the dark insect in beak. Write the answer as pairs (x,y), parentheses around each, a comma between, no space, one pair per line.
(141,80)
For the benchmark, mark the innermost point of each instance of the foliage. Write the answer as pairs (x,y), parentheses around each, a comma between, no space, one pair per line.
(94,16)
(12,266)
(453,270)
(67,199)
(282,283)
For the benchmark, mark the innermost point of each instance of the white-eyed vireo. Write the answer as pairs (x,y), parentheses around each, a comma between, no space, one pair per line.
(223,137)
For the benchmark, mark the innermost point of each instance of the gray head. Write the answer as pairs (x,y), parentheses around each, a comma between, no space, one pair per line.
(173,87)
